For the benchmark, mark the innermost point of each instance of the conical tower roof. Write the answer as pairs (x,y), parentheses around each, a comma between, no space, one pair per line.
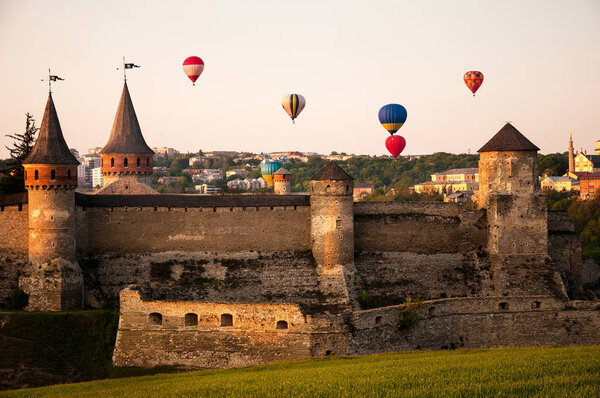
(126,135)
(50,146)
(331,171)
(508,139)
(282,171)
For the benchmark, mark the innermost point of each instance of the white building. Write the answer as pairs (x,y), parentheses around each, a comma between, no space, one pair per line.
(236,172)
(97,179)
(206,189)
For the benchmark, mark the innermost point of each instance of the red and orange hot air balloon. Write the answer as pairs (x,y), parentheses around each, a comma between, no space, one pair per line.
(473,80)
(193,67)
(395,145)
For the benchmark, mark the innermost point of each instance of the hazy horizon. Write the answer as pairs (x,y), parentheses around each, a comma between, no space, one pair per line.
(539,58)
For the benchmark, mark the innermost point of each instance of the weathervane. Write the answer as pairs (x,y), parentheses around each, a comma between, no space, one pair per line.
(127,66)
(52,78)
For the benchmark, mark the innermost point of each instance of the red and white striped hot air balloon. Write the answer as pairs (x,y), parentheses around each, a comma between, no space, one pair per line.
(193,67)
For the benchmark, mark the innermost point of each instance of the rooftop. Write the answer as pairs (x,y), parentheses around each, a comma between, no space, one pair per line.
(470,170)
(508,139)
(331,171)
(50,146)
(126,135)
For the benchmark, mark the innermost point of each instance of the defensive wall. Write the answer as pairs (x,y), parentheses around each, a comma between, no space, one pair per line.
(211,335)
(416,249)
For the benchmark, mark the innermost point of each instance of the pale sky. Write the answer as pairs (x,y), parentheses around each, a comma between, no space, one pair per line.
(541,61)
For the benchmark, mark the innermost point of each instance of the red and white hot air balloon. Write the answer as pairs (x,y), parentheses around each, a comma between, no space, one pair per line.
(193,67)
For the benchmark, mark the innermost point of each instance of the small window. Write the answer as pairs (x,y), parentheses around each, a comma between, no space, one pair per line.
(25,174)
(138,162)
(191,320)
(36,175)
(536,304)
(20,206)
(503,305)
(147,162)
(112,162)
(226,320)
(69,174)
(282,325)
(53,174)
(377,319)
(125,162)
(155,318)
(102,162)
(338,224)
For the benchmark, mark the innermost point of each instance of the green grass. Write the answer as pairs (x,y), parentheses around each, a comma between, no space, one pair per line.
(523,372)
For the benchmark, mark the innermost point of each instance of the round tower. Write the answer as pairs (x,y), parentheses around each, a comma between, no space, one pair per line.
(126,154)
(332,232)
(282,180)
(54,279)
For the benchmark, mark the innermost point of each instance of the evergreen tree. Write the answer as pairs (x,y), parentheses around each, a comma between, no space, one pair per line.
(12,176)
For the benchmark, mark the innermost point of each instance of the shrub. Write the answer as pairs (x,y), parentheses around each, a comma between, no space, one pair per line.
(18,300)
(365,300)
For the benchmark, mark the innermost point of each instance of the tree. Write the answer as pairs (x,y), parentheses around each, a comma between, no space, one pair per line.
(12,176)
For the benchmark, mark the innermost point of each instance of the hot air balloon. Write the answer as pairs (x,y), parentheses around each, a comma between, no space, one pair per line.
(392,117)
(193,67)
(267,170)
(473,80)
(395,144)
(293,105)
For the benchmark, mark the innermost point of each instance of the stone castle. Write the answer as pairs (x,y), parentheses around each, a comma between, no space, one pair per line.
(233,280)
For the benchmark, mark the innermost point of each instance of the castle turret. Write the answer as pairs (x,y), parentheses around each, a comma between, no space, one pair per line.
(53,279)
(126,154)
(332,230)
(282,180)
(517,216)
(571,155)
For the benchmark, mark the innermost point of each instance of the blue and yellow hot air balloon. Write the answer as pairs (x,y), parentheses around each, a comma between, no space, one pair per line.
(267,170)
(293,105)
(392,117)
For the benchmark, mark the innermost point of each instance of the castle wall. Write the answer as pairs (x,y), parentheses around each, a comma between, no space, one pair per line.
(477,323)
(14,227)
(252,337)
(146,229)
(258,277)
(417,227)
(388,278)
(564,247)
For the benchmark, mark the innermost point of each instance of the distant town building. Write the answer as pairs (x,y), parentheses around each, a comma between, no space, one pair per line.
(236,172)
(450,181)
(206,189)
(459,197)
(362,190)
(587,163)
(95,151)
(97,178)
(457,175)
(589,185)
(559,183)
(164,152)
(248,184)
(167,180)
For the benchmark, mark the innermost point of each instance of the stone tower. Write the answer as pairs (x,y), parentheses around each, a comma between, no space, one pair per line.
(282,180)
(517,216)
(126,156)
(332,231)
(53,278)
(571,155)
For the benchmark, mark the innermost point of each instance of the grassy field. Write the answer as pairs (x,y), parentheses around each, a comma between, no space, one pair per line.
(523,372)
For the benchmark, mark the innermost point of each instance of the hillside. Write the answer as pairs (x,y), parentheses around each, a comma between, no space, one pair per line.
(524,372)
